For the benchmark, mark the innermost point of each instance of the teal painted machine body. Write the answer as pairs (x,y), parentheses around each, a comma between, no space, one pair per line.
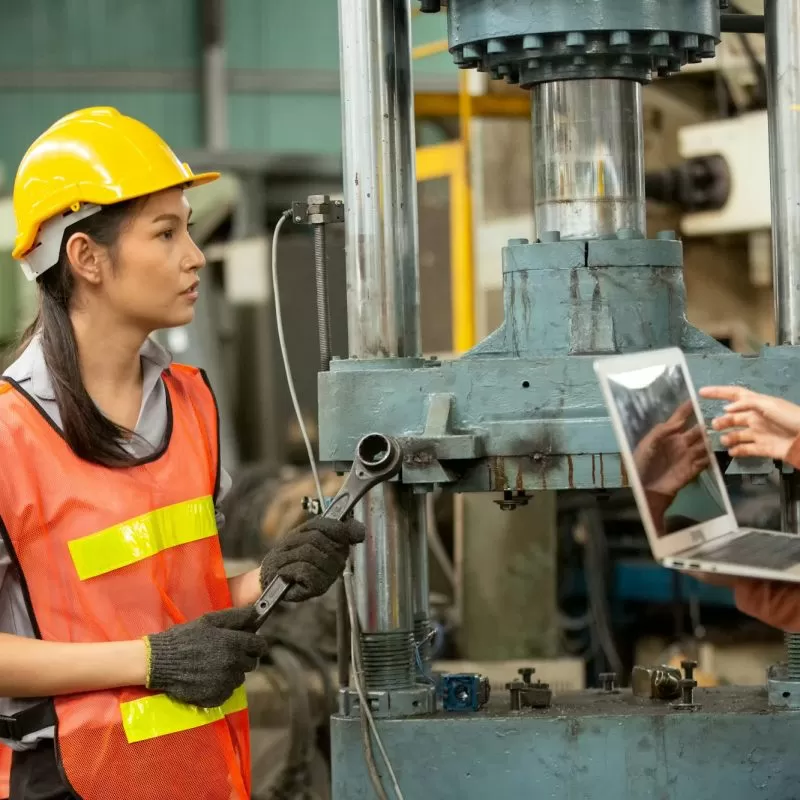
(588,746)
(523,411)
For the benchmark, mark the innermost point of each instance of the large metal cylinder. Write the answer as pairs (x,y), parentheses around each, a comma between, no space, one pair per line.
(380,188)
(782,23)
(382,297)
(588,157)
(782,20)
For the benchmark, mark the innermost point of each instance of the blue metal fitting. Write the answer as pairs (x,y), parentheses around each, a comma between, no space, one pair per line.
(464,691)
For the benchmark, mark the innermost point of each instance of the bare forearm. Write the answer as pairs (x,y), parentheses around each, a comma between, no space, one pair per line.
(32,668)
(245,588)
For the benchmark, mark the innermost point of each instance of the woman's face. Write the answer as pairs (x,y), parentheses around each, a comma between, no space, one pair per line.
(152,279)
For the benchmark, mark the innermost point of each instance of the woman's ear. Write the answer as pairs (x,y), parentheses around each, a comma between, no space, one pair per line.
(85,258)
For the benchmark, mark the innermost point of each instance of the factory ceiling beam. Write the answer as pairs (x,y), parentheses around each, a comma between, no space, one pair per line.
(256,81)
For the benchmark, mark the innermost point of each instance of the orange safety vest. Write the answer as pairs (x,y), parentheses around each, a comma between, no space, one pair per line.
(5,771)
(111,555)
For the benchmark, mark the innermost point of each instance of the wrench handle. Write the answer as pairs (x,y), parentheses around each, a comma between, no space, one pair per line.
(270,597)
(359,481)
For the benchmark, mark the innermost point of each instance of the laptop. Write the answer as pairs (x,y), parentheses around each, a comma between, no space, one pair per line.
(672,469)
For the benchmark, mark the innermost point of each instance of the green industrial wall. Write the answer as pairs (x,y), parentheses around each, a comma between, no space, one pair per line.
(144,56)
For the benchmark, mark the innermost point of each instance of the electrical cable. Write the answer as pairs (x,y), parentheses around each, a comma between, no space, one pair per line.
(595,564)
(435,541)
(368,721)
(285,356)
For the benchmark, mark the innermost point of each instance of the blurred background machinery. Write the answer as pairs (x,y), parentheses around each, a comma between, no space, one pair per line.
(564,583)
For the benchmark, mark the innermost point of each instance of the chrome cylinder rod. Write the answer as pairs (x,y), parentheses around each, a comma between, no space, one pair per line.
(588,157)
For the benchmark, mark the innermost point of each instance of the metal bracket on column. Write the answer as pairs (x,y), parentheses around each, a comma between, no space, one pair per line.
(318,210)
(423,455)
(413,702)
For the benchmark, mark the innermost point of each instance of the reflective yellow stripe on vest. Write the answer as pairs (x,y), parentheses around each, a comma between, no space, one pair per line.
(142,537)
(160,715)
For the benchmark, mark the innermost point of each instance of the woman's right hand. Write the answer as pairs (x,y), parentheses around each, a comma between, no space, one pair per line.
(202,662)
(763,426)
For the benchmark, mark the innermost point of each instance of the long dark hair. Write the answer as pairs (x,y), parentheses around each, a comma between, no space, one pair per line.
(92,435)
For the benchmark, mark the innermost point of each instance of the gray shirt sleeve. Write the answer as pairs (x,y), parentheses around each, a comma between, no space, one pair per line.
(225,483)
(5,562)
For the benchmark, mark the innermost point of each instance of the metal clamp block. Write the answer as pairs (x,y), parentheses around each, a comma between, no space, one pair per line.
(656,683)
(782,692)
(524,694)
(319,209)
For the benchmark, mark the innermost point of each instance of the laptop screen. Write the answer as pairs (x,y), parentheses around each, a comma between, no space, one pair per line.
(670,450)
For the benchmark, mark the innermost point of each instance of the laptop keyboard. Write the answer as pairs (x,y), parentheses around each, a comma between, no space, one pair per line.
(756,549)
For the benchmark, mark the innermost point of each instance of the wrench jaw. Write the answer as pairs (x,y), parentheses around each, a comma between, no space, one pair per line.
(378,457)
(376,451)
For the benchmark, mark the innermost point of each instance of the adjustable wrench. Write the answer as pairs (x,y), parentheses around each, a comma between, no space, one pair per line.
(377,459)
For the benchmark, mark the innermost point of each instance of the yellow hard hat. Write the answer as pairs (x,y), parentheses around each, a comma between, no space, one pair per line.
(95,156)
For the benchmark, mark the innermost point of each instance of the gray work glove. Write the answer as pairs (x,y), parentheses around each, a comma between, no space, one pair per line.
(312,556)
(203,661)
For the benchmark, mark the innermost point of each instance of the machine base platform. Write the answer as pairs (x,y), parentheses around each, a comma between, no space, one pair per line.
(588,746)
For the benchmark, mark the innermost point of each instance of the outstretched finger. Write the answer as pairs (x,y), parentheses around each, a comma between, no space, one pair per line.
(729,393)
(737,437)
(740,419)
(749,450)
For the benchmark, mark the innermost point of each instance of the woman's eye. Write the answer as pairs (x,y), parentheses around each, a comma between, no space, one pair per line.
(167,235)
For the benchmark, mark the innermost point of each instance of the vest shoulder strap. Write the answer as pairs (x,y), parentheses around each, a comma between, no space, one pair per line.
(186,370)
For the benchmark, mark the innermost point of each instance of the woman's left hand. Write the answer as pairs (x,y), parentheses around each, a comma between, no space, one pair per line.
(775,603)
(759,425)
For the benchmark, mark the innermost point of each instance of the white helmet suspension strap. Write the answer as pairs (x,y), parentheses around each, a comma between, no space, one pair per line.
(44,253)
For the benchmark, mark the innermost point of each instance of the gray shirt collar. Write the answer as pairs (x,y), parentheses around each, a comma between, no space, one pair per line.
(30,368)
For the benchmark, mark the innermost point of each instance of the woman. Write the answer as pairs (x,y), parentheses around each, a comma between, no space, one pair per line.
(757,425)
(123,647)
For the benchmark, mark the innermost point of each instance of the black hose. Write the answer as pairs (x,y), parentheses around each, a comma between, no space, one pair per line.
(595,567)
(741,23)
